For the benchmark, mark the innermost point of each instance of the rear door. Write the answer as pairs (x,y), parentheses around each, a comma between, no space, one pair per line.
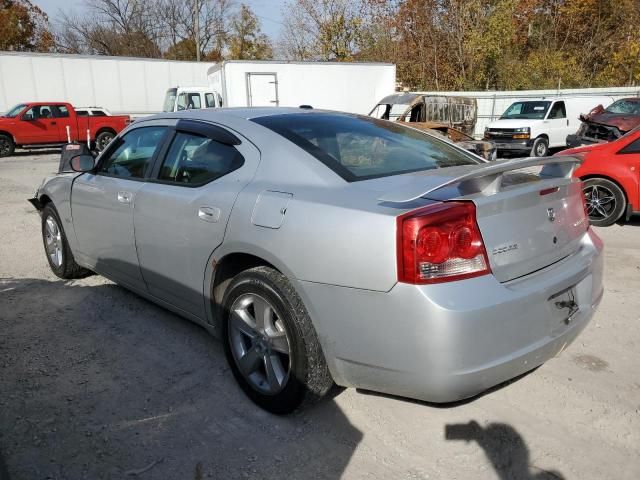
(102,204)
(66,129)
(181,215)
(262,90)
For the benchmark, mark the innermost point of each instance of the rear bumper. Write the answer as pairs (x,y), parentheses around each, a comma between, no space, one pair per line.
(446,342)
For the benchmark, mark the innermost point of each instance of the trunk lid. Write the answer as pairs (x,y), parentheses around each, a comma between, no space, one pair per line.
(530,211)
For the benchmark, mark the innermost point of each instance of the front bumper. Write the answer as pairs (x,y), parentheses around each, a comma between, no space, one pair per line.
(575,140)
(446,342)
(510,144)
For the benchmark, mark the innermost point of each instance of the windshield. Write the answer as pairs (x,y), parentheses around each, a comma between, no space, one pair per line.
(534,110)
(15,111)
(169,100)
(360,148)
(624,106)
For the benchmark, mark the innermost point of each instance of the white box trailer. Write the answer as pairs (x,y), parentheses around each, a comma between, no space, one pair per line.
(348,87)
(123,85)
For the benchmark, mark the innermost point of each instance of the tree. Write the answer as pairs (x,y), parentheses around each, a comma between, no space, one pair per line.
(246,41)
(321,29)
(24,27)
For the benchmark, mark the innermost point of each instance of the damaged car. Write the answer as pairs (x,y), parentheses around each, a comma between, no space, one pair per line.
(453,118)
(602,125)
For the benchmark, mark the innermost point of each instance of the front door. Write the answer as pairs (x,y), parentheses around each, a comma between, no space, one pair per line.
(557,125)
(262,90)
(102,205)
(181,215)
(37,125)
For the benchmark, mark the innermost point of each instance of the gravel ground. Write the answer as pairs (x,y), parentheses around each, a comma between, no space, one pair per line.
(96,382)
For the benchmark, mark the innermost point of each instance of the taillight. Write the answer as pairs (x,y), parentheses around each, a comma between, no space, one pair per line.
(440,243)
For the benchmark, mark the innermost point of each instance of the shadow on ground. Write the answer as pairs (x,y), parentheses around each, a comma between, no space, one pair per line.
(504,448)
(102,384)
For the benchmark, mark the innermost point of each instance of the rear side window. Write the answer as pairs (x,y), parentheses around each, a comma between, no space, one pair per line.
(98,113)
(133,153)
(360,148)
(60,111)
(194,160)
(82,113)
(209,100)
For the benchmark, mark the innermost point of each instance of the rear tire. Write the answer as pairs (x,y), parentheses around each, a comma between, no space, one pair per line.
(606,201)
(7,147)
(540,147)
(57,248)
(103,140)
(270,342)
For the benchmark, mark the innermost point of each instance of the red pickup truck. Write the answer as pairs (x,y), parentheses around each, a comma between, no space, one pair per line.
(48,124)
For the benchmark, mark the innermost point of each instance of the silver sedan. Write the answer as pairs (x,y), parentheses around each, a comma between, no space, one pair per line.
(326,248)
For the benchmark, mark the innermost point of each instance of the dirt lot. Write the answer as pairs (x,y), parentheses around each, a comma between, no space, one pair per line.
(96,382)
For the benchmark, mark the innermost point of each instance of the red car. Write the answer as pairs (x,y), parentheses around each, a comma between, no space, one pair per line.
(611,178)
(47,124)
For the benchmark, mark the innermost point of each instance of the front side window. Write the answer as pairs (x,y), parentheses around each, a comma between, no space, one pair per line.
(133,153)
(359,148)
(181,104)
(557,111)
(532,110)
(39,112)
(633,147)
(196,160)
(169,100)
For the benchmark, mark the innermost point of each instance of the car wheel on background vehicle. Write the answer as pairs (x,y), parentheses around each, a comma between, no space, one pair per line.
(606,201)
(103,140)
(7,147)
(540,147)
(270,342)
(56,246)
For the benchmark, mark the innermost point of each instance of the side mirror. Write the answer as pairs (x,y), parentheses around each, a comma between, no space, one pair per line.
(27,117)
(82,163)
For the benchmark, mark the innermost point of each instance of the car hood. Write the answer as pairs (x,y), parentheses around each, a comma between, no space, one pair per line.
(623,122)
(514,123)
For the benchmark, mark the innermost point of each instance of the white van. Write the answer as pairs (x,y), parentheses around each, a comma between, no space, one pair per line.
(189,98)
(532,126)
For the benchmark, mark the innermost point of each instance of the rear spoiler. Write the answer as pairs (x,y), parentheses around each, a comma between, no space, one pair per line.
(487,179)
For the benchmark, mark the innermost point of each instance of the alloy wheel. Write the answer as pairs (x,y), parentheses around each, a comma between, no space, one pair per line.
(259,343)
(601,202)
(53,241)
(104,141)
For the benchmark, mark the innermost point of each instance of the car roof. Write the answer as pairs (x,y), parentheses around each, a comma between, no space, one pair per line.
(245,113)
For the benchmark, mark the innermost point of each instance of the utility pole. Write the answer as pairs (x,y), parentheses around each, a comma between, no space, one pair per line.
(196,14)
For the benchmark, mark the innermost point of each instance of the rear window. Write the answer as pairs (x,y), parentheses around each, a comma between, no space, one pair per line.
(360,148)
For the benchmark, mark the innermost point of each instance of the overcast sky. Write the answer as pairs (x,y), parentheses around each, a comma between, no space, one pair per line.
(269,11)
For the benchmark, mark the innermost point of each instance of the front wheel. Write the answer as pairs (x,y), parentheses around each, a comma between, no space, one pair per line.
(7,147)
(56,246)
(103,140)
(270,343)
(606,201)
(540,147)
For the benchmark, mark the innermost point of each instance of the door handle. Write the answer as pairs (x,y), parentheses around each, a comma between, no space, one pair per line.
(209,214)
(124,197)
(53,123)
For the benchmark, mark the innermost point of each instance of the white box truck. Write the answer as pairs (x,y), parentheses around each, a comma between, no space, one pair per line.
(348,87)
(533,126)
